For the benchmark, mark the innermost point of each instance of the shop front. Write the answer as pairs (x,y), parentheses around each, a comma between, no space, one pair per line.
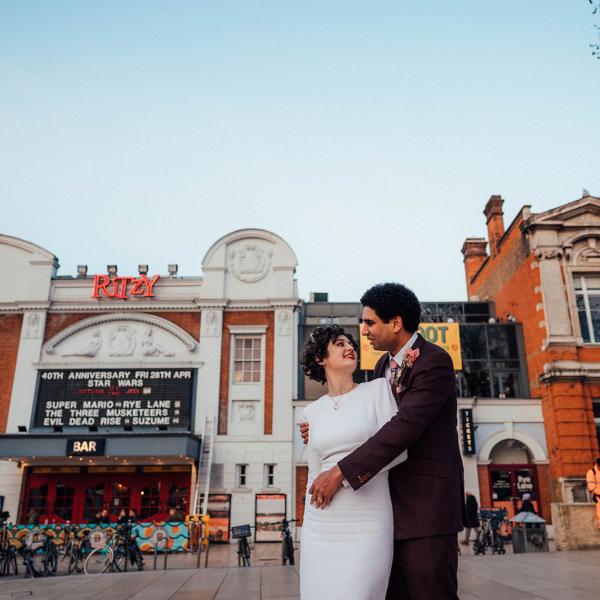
(59,486)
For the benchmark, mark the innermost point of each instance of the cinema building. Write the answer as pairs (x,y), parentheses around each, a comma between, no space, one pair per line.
(143,390)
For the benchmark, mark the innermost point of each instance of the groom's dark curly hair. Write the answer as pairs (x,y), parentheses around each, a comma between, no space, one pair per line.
(315,350)
(391,300)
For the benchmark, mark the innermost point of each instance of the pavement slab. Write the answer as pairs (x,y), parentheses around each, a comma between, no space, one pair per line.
(548,576)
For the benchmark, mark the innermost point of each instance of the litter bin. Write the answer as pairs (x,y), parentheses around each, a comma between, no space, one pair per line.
(529,533)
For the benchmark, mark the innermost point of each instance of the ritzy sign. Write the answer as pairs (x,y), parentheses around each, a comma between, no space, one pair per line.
(124,287)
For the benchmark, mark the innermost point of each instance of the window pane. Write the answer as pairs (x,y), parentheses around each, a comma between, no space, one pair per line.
(596,325)
(592,283)
(594,302)
(585,332)
(596,408)
(475,379)
(577,282)
(503,342)
(580,302)
(501,485)
(472,341)
(506,385)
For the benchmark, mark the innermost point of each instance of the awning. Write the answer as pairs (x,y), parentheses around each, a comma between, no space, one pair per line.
(103,448)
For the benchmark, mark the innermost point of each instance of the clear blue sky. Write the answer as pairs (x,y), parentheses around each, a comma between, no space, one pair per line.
(368,135)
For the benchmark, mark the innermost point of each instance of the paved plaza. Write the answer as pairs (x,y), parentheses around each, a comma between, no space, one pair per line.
(552,576)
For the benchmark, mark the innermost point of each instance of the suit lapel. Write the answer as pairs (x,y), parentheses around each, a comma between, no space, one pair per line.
(419,343)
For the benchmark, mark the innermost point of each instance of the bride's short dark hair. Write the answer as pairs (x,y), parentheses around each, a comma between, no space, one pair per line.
(315,350)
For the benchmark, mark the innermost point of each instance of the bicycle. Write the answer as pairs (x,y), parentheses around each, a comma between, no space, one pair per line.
(40,555)
(126,548)
(287,543)
(115,554)
(75,549)
(241,533)
(8,553)
(488,536)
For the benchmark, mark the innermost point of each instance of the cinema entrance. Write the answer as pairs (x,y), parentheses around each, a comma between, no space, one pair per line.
(60,494)
(147,472)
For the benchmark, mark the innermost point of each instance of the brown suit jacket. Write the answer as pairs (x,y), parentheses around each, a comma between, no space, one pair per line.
(428,489)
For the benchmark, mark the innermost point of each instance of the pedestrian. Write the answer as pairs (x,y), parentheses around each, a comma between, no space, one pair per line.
(472,517)
(105,517)
(174,515)
(123,517)
(527,505)
(593,484)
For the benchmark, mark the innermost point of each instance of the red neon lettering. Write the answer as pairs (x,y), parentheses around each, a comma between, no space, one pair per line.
(141,286)
(100,283)
(120,284)
(149,285)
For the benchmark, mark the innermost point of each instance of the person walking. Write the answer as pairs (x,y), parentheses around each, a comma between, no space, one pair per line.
(472,517)
(527,504)
(593,484)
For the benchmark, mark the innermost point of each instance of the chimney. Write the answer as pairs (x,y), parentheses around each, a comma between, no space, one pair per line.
(495,222)
(474,254)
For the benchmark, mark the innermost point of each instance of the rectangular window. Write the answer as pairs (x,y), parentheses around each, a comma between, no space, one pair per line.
(269,475)
(587,297)
(247,359)
(241,475)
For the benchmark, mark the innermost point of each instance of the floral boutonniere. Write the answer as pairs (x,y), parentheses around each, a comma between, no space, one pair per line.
(408,361)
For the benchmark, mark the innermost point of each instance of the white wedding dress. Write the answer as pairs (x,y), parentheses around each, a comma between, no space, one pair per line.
(346,549)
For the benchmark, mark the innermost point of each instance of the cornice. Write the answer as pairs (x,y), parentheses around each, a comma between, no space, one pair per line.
(570,370)
(123,306)
(20,307)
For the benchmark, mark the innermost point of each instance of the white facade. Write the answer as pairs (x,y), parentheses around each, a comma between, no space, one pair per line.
(246,271)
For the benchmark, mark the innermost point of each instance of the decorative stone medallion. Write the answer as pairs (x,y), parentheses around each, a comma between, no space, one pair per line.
(250,263)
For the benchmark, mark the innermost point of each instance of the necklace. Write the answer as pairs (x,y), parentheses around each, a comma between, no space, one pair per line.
(335,400)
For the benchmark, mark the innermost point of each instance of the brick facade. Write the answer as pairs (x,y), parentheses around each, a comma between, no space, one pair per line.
(10,334)
(301,481)
(247,318)
(511,277)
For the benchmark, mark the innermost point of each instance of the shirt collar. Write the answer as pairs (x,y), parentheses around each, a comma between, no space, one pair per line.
(398,358)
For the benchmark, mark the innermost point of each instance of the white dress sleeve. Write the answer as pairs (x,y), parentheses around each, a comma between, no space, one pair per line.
(314,463)
(385,408)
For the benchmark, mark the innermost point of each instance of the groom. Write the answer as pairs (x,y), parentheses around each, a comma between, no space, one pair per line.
(427,489)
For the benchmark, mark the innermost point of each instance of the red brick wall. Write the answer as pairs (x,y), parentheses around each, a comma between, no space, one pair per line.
(485,497)
(188,321)
(56,322)
(545,490)
(301,481)
(10,334)
(247,318)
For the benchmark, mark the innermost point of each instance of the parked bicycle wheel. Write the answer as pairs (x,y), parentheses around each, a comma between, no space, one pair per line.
(50,560)
(99,560)
(135,557)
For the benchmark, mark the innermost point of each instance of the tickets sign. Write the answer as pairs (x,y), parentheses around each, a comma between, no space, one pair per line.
(445,335)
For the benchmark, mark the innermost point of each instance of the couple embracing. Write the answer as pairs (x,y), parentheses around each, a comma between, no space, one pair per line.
(384,498)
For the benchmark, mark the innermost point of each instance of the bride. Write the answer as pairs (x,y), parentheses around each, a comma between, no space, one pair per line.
(347,547)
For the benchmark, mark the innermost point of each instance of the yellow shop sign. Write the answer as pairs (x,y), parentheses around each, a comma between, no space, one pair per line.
(445,335)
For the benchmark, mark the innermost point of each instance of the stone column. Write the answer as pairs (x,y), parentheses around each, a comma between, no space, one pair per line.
(209,377)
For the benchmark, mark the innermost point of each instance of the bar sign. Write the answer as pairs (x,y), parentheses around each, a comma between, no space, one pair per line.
(85,447)
(468,431)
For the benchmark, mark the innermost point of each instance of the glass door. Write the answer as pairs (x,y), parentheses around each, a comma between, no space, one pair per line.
(509,483)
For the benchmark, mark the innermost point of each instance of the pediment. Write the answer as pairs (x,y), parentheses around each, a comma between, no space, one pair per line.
(121,337)
(584,212)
